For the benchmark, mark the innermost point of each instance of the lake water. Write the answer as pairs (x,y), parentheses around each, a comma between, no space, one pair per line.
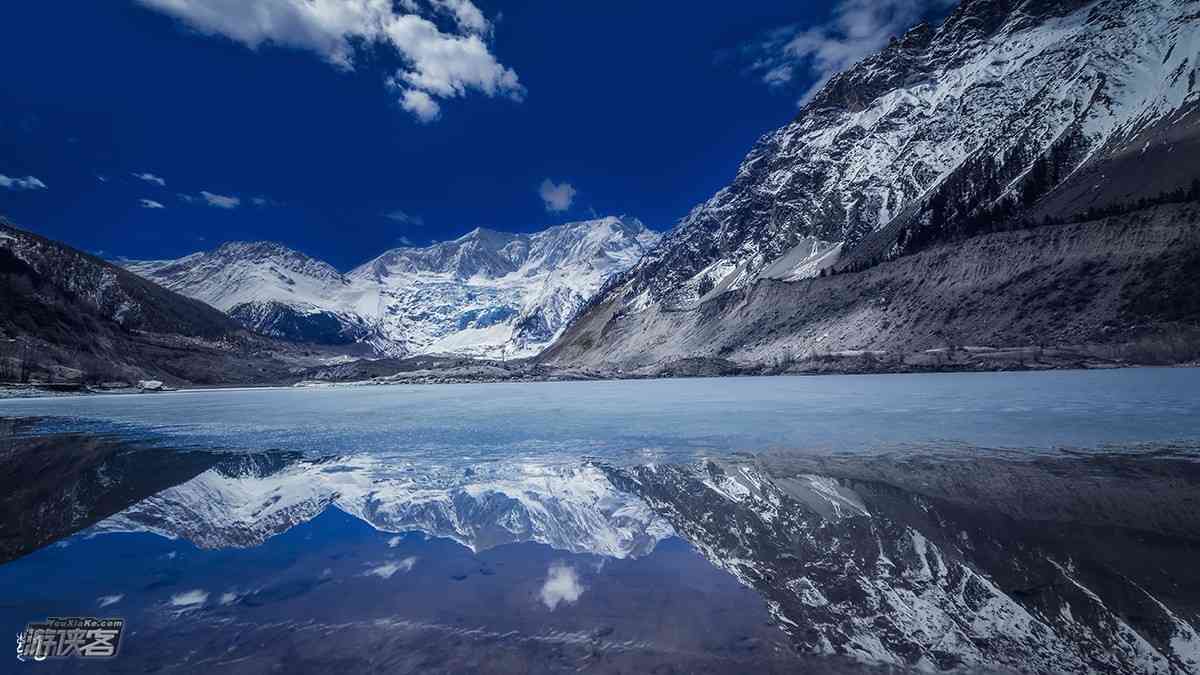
(832,524)
(631,418)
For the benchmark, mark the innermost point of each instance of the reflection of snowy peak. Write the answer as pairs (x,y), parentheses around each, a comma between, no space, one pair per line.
(485,293)
(883,575)
(244,501)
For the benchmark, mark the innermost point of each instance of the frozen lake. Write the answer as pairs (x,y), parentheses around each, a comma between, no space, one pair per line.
(669,419)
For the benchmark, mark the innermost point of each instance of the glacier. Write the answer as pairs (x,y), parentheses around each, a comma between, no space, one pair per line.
(485,294)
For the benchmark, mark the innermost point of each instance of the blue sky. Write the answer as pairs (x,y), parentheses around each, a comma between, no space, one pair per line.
(154,128)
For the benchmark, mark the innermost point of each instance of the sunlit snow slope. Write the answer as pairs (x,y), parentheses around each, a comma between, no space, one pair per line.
(486,293)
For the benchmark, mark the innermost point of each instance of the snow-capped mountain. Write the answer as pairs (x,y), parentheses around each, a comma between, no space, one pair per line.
(977,118)
(243,501)
(485,293)
(489,292)
(268,288)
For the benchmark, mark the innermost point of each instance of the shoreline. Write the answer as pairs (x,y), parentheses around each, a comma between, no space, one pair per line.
(697,368)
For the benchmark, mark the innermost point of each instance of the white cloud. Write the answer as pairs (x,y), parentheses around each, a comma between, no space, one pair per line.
(151,178)
(436,63)
(387,570)
(394,541)
(189,598)
(260,200)
(220,201)
(228,598)
(404,217)
(106,600)
(150,204)
(561,586)
(558,197)
(185,197)
(857,29)
(26,183)
(417,102)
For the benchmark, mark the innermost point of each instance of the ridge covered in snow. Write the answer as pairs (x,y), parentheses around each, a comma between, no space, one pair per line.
(963,111)
(486,293)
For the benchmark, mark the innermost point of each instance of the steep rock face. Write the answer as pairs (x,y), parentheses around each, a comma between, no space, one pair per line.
(1009,109)
(884,571)
(299,323)
(1116,280)
(486,293)
(107,292)
(69,317)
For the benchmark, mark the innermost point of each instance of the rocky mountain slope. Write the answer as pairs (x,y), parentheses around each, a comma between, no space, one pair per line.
(69,316)
(486,293)
(1122,288)
(1010,114)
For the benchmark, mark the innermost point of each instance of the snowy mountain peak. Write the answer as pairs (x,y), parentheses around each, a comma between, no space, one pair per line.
(941,125)
(484,293)
(241,272)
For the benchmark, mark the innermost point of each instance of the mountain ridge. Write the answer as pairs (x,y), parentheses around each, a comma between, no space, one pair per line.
(1008,115)
(485,293)
(68,316)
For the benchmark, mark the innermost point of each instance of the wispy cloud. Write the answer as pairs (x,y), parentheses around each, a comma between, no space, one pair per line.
(189,598)
(404,217)
(220,201)
(151,178)
(857,29)
(26,183)
(260,200)
(561,586)
(438,64)
(106,600)
(150,204)
(557,196)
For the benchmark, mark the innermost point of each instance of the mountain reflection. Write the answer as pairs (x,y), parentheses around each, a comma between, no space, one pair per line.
(930,558)
(1082,563)
(245,499)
